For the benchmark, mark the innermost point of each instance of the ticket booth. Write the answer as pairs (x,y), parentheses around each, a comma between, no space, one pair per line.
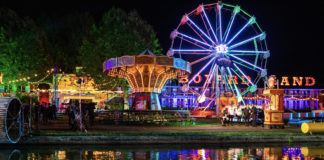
(273,111)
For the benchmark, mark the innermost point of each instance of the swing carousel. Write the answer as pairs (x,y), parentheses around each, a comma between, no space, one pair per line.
(146,73)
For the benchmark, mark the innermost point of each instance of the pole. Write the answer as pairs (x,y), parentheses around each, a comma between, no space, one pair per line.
(80,108)
(55,86)
(30,110)
(217,92)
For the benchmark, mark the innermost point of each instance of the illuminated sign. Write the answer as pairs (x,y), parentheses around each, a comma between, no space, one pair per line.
(70,83)
(221,49)
(272,80)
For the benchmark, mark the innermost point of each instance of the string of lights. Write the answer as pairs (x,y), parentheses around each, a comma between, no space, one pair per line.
(26,79)
(303,99)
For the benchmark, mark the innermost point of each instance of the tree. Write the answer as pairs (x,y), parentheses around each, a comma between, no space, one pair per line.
(23,47)
(118,34)
(65,35)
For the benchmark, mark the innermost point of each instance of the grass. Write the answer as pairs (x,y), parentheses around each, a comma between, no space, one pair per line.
(171,133)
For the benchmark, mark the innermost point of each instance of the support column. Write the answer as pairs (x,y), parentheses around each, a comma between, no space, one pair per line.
(155,103)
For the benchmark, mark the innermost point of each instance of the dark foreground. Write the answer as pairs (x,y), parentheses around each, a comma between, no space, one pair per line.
(181,152)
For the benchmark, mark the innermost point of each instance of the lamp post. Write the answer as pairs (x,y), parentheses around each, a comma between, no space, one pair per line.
(55,85)
(30,111)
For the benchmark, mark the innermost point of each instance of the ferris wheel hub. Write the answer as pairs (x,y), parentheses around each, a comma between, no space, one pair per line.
(221,49)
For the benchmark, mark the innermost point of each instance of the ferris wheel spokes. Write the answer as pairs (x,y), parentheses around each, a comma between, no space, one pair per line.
(186,51)
(250,82)
(246,41)
(201,59)
(251,21)
(246,62)
(229,26)
(201,31)
(211,73)
(211,28)
(222,55)
(219,8)
(200,70)
(243,51)
(194,39)
(235,87)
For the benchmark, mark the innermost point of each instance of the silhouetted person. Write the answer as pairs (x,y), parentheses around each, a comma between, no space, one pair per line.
(246,115)
(44,113)
(26,112)
(54,111)
(254,115)
(91,107)
(37,111)
(261,116)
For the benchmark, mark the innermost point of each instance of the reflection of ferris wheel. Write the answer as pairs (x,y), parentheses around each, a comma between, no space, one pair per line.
(224,42)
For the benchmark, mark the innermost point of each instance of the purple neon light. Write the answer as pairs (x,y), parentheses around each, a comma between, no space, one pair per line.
(210,25)
(192,50)
(201,70)
(243,51)
(194,39)
(245,41)
(245,62)
(230,73)
(209,79)
(238,33)
(231,23)
(220,22)
(109,65)
(200,30)
(242,73)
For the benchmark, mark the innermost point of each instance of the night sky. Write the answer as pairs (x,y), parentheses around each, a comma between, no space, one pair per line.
(294,29)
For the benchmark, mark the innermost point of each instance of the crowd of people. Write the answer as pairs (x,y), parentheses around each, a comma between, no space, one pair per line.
(44,112)
(77,120)
(242,114)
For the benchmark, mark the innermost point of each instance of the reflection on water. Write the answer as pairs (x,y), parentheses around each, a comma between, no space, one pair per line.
(138,153)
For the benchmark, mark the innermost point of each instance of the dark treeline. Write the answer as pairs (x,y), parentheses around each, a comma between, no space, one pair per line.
(30,46)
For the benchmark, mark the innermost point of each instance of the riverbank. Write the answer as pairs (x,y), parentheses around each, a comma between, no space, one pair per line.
(119,134)
(210,139)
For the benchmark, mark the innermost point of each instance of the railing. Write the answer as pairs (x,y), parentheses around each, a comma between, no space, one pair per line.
(299,118)
(142,116)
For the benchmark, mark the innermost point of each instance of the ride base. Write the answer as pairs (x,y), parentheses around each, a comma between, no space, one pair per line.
(273,119)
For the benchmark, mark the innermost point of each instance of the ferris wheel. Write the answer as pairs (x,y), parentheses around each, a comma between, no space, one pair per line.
(225,43)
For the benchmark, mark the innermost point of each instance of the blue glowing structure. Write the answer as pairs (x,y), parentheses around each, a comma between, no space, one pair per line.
(225,42)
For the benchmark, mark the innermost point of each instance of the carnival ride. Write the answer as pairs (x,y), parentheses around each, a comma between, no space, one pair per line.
(11,120)
(225,42)
(146,74)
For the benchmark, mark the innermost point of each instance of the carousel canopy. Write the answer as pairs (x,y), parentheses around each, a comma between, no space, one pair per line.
(146,72)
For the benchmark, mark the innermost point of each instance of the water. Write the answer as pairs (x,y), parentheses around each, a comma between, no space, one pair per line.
(156,152)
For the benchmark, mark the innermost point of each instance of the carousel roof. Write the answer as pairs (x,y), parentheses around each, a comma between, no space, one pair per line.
(147,72)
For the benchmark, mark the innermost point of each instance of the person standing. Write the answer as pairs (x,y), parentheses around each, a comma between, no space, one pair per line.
(239,114)
(253,115)
(231,113)
(54,111)
(261,116)
(246,115)
(91,108)
(37,110)
(225,116)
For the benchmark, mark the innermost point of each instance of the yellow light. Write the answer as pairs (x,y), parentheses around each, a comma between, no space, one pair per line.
(36,75)
(52,69)
(47,71)
(201,98)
